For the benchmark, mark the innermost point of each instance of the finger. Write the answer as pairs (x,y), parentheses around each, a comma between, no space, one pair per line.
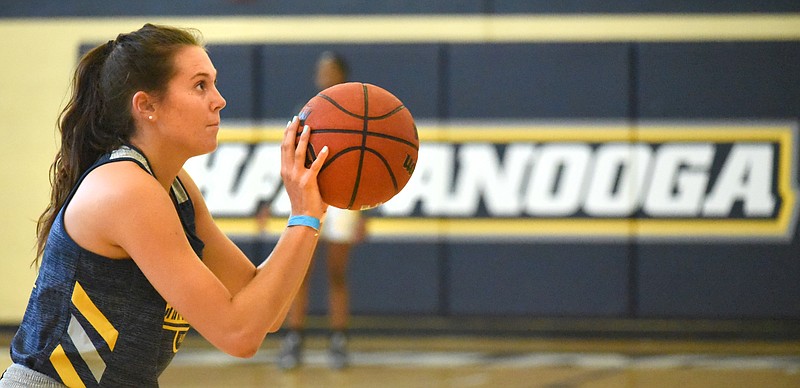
(290,132)
(288,144)
(302,145)
(320,160)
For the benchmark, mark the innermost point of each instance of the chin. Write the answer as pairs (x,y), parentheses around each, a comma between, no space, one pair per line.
(211,147)
(206,147)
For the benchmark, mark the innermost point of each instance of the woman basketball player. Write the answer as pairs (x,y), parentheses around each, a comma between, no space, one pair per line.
(130,256)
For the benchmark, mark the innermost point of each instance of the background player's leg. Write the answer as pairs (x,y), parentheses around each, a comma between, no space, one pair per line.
(338,257)
(292,345)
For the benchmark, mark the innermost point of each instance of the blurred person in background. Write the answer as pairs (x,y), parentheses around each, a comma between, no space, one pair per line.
(341,231)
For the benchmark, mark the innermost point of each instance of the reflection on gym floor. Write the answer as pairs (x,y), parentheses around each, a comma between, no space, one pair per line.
(398,359)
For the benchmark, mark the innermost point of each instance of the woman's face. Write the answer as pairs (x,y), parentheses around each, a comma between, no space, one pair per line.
(188,113)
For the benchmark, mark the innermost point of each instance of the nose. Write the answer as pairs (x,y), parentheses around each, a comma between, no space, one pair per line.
(218,102)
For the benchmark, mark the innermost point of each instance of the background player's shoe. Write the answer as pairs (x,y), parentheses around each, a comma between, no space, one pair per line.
(291,348)
(338,350)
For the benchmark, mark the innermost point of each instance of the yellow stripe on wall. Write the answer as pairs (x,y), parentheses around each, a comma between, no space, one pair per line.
(451,28)
(505,28)
(502,133)
(95,317)
(545,227)
(64,368)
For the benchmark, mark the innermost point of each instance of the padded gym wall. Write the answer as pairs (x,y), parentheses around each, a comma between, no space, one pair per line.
(445,81)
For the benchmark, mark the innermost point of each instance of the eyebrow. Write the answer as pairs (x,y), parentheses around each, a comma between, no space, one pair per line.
(204,75)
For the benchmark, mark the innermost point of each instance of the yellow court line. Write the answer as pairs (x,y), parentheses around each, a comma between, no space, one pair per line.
(451,28)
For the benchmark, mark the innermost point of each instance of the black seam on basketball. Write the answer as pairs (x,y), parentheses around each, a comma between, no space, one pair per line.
(365,130)
(392,112)
(376,134)
(383,160)
(311,155)
(341,108)
(394,138)
(335,156)
(386,165)
(366,113)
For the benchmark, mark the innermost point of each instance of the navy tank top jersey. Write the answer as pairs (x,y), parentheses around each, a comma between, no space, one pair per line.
(97,322)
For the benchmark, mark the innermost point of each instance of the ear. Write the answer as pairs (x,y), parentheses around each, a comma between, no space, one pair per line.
(142,105)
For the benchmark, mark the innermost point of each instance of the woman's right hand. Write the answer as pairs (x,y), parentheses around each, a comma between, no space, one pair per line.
(301,182)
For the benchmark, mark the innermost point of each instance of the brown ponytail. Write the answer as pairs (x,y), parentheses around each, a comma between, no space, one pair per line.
(97,119)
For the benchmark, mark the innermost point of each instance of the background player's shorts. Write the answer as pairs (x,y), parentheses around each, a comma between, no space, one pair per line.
(341,225)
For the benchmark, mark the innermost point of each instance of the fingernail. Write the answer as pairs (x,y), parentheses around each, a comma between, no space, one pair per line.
(324,149)
(306,128)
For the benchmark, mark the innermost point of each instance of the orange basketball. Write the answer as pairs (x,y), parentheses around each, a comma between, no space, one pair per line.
(372,140)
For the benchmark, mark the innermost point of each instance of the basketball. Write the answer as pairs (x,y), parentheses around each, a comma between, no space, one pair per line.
(372,142)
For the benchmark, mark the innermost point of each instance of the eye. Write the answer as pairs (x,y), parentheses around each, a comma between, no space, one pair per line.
(201,85)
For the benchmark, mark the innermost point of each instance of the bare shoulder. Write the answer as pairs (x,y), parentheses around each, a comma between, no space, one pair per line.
(121,183)
(107,200)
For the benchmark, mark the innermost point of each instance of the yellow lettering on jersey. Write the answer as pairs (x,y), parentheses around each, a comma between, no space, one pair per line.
(173,321)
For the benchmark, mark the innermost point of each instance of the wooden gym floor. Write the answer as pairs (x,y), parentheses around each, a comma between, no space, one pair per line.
(471,358)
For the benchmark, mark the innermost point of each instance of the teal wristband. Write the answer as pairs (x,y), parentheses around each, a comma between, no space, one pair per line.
(311,222)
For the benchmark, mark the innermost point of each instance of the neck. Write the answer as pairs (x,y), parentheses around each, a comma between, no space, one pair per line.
(164,163)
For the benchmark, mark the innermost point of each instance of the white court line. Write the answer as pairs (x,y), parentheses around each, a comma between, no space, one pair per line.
(410,359)
(790,364)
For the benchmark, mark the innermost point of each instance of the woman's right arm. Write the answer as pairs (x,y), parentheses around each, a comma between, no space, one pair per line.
(234,320)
